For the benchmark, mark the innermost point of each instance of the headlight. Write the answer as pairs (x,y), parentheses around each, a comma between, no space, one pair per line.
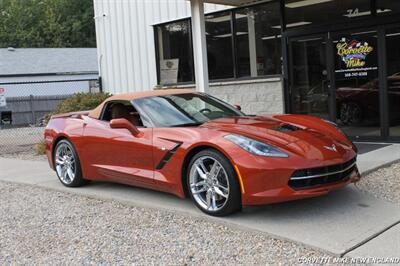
(256,147)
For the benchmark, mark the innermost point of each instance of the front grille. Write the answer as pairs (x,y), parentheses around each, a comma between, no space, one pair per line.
(314,177)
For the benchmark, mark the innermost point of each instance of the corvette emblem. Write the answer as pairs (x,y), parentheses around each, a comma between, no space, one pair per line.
(331,148)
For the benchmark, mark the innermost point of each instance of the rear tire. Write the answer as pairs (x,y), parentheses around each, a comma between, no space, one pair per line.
(212,183)
(67,164)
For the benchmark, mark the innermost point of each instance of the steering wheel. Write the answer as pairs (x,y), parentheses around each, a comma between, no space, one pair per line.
(205,110)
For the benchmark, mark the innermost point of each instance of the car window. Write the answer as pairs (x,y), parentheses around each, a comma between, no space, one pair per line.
(183,109)
(121,109)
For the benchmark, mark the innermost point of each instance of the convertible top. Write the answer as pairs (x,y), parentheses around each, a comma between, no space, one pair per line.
(95,113)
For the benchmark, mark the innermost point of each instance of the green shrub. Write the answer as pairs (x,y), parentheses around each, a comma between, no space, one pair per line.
(81,102)
(78,102)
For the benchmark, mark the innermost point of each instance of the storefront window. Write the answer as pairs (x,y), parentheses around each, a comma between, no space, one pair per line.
(175,53)
(387,7)
(219,45)
(393,79)
(258,40)
(314,12)
(357,83)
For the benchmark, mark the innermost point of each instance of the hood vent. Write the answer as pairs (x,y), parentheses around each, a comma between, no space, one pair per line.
(287,128)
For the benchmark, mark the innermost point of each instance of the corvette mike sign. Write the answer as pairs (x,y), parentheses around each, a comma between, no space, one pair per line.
(355,57)
(353,53)
(3,102)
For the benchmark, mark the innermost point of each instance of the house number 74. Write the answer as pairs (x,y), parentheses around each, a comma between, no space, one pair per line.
(352,12)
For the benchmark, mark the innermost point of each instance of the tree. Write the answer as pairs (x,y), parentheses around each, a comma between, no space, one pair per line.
(47,23)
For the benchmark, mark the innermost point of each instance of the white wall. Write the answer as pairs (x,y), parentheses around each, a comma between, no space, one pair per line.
(125,39)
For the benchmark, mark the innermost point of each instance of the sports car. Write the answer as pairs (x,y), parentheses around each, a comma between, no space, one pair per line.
(194,145)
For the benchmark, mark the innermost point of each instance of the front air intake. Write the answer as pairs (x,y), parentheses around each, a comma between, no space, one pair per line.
(314,177)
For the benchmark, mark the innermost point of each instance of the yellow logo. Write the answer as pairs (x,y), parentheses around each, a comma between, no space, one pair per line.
(353,53)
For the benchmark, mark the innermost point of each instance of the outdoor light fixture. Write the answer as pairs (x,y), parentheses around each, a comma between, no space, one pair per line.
(224,18)
(271,37)
(295,24)
(306,3)
(230,34)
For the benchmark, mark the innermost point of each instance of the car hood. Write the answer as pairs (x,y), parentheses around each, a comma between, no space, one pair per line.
(295,138)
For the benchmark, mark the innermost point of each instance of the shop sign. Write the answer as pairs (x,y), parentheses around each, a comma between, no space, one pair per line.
(353,53)
(169,71)
(3,102)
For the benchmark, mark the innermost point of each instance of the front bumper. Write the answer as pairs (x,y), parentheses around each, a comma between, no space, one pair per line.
(282,184)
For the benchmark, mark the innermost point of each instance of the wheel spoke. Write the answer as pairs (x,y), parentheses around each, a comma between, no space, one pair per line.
(208,198)
(59,161)
(214,202)
(200,170)
(222,187)
(200,183)
(215,169)
(70,174)
(201,190)
(59,170)
(64,173)
(220,192)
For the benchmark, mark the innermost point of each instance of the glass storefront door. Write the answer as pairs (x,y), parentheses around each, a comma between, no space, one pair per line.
(356,79)
(392,37)
(308,83)
(351,77)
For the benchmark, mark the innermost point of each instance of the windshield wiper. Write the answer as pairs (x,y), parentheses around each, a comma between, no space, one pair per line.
(188,124)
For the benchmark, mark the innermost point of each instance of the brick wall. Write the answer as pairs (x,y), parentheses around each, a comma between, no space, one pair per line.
(254,96)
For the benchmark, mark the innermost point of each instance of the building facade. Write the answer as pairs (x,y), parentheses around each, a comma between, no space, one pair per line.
(336,59)
(33,81)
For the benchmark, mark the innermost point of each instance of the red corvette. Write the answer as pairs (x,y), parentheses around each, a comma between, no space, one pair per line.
(192,144)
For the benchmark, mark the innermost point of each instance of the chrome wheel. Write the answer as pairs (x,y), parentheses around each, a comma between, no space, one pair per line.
(209,183)
(65,163)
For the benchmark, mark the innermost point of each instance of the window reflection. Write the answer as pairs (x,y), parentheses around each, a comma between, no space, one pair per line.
(258,40)
(357,83)
(174,43)
(219,45)
(393,80)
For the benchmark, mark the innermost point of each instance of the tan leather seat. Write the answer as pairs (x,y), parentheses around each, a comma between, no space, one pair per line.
(118,110)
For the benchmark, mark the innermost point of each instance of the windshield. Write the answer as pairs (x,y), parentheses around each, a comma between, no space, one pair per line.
(188,109)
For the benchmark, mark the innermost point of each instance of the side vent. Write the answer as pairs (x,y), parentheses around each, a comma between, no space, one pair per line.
(167,156)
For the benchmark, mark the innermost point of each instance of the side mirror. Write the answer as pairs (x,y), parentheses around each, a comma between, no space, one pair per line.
(238,107)
(123,123)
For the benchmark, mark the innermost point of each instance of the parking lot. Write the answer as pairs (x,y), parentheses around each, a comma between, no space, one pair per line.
(357,221)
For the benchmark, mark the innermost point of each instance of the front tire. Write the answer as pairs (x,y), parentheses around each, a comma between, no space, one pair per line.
(67,164)
(212,183)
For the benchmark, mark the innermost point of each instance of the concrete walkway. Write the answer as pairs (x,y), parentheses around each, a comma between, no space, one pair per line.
(345,222)
(376,158)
